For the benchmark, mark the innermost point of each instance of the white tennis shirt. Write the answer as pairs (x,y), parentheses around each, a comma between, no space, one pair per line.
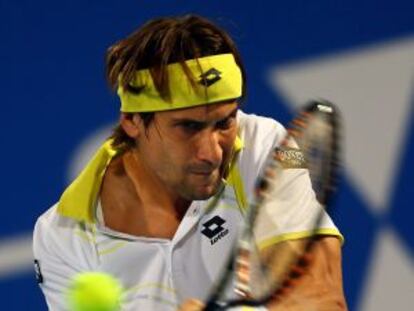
(158,274)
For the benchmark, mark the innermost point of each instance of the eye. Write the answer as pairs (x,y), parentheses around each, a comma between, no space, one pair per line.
(225,124)
(191,126)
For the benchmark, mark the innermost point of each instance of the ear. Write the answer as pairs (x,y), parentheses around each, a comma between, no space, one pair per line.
(132,124)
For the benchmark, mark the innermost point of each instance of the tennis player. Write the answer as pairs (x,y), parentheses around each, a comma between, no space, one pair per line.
(160,203)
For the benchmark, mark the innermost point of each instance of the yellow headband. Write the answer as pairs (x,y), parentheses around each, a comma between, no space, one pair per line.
(218,78)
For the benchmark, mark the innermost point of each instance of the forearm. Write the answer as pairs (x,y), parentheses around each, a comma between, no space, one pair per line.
(320,286)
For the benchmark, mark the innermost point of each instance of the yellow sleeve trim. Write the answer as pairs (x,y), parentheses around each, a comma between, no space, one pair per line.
(300,235)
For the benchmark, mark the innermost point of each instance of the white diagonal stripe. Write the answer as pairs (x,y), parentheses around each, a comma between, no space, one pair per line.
(16,255)
(390,283)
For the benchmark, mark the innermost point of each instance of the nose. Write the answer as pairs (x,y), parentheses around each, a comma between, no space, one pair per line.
(209,149)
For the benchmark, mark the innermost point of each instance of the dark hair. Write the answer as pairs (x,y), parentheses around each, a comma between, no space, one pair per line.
(158,43)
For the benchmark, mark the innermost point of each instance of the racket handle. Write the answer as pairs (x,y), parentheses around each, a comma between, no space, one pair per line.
(213,306)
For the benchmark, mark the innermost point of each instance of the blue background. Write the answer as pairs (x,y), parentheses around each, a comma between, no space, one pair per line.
(54,94)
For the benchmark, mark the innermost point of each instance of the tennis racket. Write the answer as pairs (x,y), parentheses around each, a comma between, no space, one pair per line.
(260,267)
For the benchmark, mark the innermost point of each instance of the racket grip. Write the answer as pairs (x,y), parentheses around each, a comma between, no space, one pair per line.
(213,306)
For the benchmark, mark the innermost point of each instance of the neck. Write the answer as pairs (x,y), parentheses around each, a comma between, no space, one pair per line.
(136,202)
(149,188)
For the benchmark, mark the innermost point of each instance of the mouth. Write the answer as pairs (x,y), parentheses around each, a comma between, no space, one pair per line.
(210,173)
(203,173)
(205,182)
(203,170)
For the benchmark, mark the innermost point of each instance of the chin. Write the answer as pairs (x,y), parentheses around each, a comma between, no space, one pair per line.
(204,196)
(205,193)
(200,188)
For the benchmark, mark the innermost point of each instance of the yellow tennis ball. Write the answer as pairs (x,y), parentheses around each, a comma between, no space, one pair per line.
(94,291)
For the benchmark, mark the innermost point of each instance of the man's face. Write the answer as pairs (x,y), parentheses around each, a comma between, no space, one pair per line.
(188,150)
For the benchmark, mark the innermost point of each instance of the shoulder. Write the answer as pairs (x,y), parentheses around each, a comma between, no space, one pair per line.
(62,237)
(51,223)
(257,130)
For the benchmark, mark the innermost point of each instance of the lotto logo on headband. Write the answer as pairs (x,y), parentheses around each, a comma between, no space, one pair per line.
(210,77)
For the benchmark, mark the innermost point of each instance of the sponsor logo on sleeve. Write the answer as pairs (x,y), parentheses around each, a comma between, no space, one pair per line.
(38,272)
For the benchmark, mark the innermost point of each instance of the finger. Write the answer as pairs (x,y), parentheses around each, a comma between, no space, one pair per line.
(191,305)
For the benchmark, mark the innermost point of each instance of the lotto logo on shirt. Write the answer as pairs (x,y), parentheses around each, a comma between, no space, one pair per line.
(214,230)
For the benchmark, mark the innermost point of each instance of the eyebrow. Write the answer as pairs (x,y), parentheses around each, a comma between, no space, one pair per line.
(181,120)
